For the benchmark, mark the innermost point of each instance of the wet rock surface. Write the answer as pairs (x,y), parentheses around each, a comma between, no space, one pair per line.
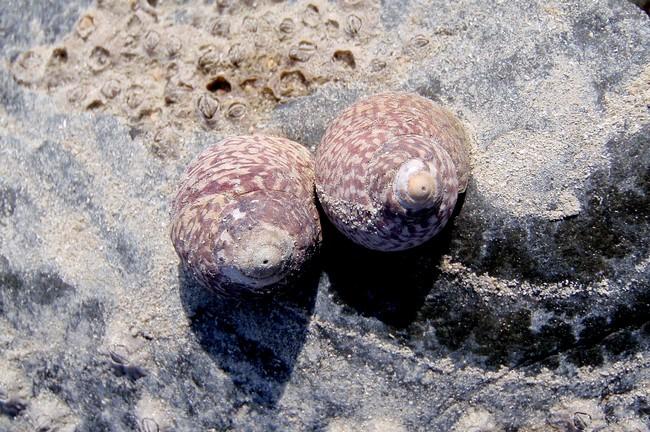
(528,312)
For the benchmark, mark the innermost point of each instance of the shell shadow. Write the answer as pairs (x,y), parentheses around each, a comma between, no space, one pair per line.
(255,340)
(389,286)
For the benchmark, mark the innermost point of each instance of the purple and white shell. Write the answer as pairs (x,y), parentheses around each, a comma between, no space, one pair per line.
(244,218)
(389,170)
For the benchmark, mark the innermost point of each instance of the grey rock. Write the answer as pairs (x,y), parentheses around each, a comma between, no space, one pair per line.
(529,312)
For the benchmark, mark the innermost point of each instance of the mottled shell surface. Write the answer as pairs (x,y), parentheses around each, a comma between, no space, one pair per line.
(244,218)
(389,170)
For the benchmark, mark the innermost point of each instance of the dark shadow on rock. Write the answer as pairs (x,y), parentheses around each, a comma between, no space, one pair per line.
(606,239)
(503,334)
(389,286)
(256,340)
(406,290)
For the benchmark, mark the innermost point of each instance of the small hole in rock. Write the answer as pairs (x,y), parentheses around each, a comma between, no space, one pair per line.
(332,27)
(95,104)
(248,83)
(293,83)
(268,94)
(60,55)
(332,24)
(152,3)
(100,59)
(219,85)
(265,262)
(311,16)
(345,57)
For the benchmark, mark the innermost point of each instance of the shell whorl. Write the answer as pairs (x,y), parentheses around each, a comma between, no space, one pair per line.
(244,217)
(389,170)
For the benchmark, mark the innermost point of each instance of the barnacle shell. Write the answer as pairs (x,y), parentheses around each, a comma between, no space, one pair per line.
(389,170)
(244,217)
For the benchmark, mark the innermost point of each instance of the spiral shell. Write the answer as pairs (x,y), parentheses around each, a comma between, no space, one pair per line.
(389,170)
(244,218)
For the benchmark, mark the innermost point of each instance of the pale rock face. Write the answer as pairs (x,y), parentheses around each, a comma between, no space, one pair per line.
(477,420)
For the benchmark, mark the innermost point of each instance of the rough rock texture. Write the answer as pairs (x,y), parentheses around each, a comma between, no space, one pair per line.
(530,312)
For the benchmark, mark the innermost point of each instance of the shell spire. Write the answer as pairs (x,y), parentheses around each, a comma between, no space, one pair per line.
(389,170)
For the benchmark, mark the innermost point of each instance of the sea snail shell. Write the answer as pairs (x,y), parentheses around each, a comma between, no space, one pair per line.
(389,170)
(244,218)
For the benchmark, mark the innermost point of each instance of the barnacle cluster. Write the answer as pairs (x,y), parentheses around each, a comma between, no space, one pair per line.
(225,65)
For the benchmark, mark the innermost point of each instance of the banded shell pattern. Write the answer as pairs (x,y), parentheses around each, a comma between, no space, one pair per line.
(244,218)
(389,170)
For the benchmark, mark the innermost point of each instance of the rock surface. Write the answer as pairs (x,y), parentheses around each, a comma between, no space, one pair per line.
(529,312)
